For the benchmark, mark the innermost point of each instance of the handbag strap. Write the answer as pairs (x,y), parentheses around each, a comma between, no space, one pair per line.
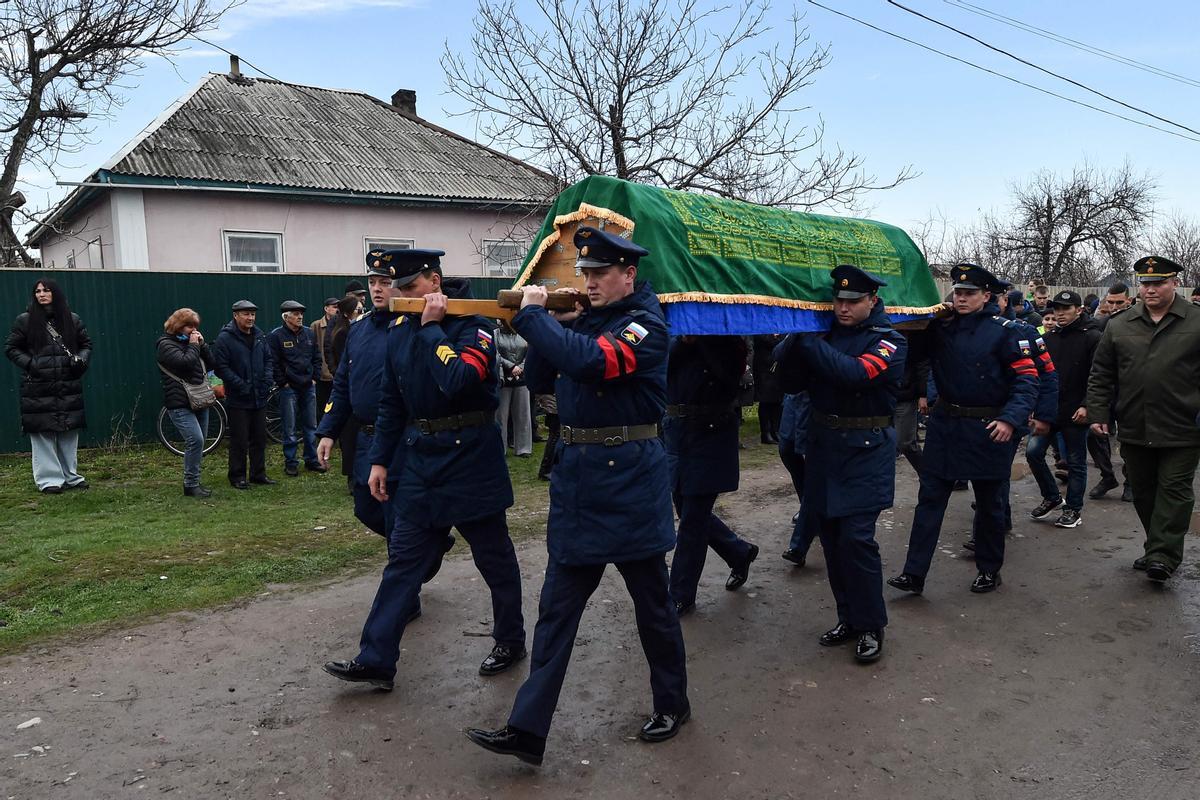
(54,334)
(176,377)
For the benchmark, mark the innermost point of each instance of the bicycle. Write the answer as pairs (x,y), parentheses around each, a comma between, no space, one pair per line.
(218,424)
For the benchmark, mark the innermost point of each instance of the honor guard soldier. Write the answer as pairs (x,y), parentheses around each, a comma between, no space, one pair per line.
(701,436)
(849,374)
(987,386)
(297,367)
(441,459)
(610,498)
(793,440)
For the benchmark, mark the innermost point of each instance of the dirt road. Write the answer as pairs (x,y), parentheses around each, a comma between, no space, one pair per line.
(1078,679)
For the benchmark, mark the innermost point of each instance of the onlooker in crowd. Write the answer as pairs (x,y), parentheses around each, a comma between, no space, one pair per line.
(325,381)
(1148,361)
(1090,304)
(549,404)
(244,363)
(1196,296)
(51,347)
(767,390)
(514,394)
(1100,447)
(1041,299)
(297,365)
(1022,309)
(184,357)
(359,291)
(1071,347)
(348,311)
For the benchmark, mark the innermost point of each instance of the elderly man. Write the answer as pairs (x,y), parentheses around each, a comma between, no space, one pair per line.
(244,364)
(297,366)
(1149,361)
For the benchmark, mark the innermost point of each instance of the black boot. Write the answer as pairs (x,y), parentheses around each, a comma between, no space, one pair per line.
(197,491)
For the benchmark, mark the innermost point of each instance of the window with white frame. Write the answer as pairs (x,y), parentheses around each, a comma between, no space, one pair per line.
(95,254)
(383,243)
(502,257)
(247,251)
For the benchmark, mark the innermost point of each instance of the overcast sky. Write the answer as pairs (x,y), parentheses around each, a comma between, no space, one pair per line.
(968,134)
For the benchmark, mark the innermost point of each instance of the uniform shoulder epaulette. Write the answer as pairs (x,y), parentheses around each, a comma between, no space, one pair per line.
(882,328)
(398,321)
(1005,321)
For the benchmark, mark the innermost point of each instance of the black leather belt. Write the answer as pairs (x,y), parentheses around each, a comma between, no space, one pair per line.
(454,422)
(609,437)
(366,427)
(837,423)
(972,412)
(711,411)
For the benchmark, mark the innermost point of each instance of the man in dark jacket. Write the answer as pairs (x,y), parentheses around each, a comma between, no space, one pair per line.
(244,364)
(1148,361)
(610,498)
(1071,346)
(298,363)
(1022,310)
(1100,447)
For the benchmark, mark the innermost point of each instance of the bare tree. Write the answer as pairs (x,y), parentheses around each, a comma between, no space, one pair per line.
(656,91)
(1177,237)
(61,63)
(1070,229)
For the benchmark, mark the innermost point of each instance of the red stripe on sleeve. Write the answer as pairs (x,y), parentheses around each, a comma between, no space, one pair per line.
(876,360)
(611,368)
(630,358)
(476,360)
(1022,364)
(869,366)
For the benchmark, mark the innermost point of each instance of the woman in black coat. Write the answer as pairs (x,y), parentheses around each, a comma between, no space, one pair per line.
(51,347)
(183,356)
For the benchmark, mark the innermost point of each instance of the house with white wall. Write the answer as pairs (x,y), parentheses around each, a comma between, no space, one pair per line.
(257,175)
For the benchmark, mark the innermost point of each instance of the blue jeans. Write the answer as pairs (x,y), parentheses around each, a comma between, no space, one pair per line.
(193,427)
(1074,444)
(300,404)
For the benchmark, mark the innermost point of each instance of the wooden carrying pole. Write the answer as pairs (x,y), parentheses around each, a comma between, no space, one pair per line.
(505,306)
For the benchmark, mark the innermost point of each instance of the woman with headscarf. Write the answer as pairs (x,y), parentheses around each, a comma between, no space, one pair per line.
(50,346)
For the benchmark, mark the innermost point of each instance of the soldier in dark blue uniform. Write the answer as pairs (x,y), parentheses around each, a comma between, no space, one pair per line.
(793,442)
(850,374)
(440,391)
(297,367)
(610,495)
(701,436)
(987,388)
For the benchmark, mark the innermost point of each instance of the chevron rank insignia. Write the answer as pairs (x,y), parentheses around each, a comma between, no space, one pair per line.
(634,333)
(445,352)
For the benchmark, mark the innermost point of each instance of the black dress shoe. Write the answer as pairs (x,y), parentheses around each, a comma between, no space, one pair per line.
(433,571)
(502,658)
(738,576)
(509,741)
(1127,494)
(985,582)
(661,727)
(197,491)
(794,556)
(1102,488)
(682,609)
(838,634)
(907,583)
(264,481)
(870,647)
(357,673)
(239,484)
(316,468)
(291,471)
(1157,571)
(1141,563)
(52,490)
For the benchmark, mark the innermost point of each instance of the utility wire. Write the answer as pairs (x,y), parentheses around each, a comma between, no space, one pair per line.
(1002,75)
(1028,63)
(1069,42)
(240,59)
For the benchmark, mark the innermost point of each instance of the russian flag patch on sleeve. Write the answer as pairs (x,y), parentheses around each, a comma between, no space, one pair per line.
(634,333)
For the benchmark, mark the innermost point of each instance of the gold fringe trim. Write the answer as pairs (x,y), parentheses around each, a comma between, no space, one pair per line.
(585,211)
(767,300)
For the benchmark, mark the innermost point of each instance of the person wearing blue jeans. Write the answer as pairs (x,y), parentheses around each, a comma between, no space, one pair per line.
(192,426)
(184,358)
(298,416)
(297,361)
(1075,452)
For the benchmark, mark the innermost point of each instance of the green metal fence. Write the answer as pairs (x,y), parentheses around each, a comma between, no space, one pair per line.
(124,313)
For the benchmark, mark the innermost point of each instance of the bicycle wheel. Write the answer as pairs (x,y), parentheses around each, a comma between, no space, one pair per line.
(274,418)
(171,439)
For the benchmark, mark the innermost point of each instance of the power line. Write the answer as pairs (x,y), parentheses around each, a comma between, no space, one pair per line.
(1028,63)
(1002,75)
(1069,42)
(242,60)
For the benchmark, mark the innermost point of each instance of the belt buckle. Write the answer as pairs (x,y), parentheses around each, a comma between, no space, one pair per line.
(564,433)
(832,420)
(619,439)
(424,427)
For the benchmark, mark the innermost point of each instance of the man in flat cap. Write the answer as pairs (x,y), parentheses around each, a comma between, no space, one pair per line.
(1148,363)
(439,391)
(245,365)
(987,387)
(610,493)
(297,365)
(850,374)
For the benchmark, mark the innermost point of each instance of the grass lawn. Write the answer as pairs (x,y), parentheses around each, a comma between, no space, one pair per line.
(133,546)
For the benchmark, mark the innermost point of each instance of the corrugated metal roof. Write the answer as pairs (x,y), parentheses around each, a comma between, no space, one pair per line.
(281,134)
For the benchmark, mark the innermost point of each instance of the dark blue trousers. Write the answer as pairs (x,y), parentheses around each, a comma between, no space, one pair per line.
(565,593)
(932,499)
(412,552)
(803,532)
(700,529)
(855,570)
(370,512)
